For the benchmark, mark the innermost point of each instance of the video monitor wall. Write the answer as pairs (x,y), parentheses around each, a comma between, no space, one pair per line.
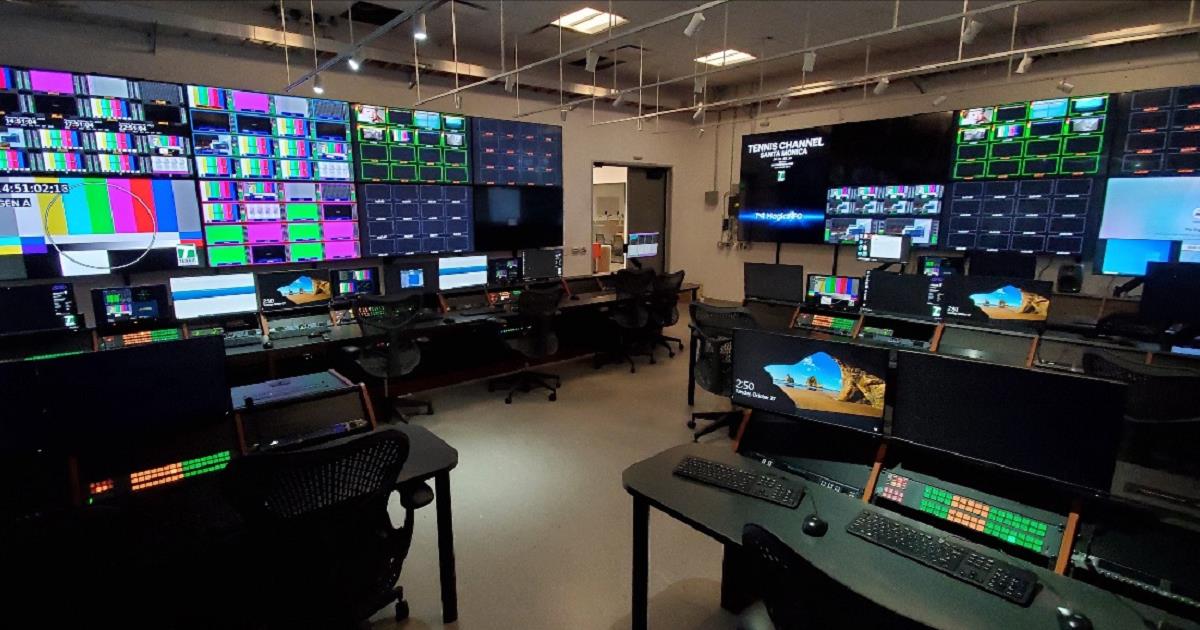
(250,135)
(405,219)
(899,210)
(1052,137)
(403,145)
(52,227)
(783,186)
(1038,216)
(512,153)
(86,124)
(1158,133)
(261,223)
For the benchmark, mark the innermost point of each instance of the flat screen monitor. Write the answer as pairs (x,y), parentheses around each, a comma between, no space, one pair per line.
(198,297)
(348,283)
(901,294)
(509,219)
(504,271)
(37,308)
(409,219)
(1170,295)
(1129,257)
(887,248)
(1053,425)
(774,283)
(461,272)
(830,382)
(1003,264)
(1154,208)
(892,150)
(513,153)
(642,245)
(996,301)
(542,264)
(119,307)
(286,290)
(835,292)
(939,266)
(52,227)
(405,278)
(784,176)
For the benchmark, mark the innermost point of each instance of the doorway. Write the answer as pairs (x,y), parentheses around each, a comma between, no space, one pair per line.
(629,217)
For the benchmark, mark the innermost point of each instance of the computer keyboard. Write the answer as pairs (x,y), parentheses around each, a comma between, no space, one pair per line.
(989,574)
(774,488)
(304,329)
(427,316)
(239,338)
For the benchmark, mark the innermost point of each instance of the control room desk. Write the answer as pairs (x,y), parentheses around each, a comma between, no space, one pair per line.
(893,581)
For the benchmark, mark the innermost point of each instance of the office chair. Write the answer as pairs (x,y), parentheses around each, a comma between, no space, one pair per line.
(321,549)
(389,318)
(630,318)
(664,308)
(714,326)
(531,334)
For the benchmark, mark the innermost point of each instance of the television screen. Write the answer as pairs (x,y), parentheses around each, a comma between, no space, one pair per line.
(384,137)
(286,290)
(407,219)
(830,382)
(884,248)
(36,308)
(773,283)
(1129,257)
(348,283)
(212,296)
(511,153)
(891,150)
(836,292)
(462,272)
(997,301)
(52,227)
(1154,209)
(783,184)
(509,219)
(542,264)
(142,306)
(901,294)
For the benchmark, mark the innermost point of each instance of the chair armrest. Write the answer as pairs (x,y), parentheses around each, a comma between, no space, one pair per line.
(415,495)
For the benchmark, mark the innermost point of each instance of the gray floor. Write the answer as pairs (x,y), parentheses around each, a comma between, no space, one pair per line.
(541,522)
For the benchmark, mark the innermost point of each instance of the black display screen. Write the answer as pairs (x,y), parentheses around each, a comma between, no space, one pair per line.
(774,283)
(511,218)
(783,183)
(891,151)
(901,294)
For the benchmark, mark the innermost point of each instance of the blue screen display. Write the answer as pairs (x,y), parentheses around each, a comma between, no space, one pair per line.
(1053,108)
(1128,257)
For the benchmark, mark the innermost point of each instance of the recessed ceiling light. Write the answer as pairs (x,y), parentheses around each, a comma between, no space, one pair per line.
(726,58)
(588,21)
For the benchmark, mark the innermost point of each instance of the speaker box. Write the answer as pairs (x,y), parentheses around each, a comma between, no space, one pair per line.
(1070,279)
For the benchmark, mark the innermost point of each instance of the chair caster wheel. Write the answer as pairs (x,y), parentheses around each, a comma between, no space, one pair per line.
(553,396)
(681,346)
(670,354)
(633,370)
(508,401)
(401,611)
(691,424)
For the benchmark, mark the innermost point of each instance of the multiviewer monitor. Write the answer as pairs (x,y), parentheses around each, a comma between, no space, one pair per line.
(461,272)
(37,308)
(542,264)
(213,296)
(348,283)
(504,271)
(835,292)
(1054,425)
(774,283)
(901,294)
(407,277)
(887,248)
(119,307)
(996,301)
(286,290)
(830,382)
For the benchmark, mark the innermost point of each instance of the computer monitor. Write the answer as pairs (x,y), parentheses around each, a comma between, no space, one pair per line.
(197,297)
(407,277)
(542,264)
(1129,257)
(901,294)
(462,271)
(121,307)
(835,383)
(642,245)
(941,266)
(1054,425)
(504,271)
(1170,295)
(835,292)
(348,283)
(995,301)
(287,290)
(783,284)
(886,248)
(37,308)
(1003,264)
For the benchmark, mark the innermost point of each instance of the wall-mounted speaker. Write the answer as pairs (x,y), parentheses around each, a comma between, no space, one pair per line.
(1070,279)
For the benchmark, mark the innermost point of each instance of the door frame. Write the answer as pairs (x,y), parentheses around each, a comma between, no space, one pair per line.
(667,229)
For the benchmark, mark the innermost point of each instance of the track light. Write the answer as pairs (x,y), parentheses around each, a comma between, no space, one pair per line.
(318,85)
(591,59)
(783,100)
(810,61)
(699,112)
(355,61)
(562,114)
(420,32)
(971,31)
(698,85)
(694,24)
(882,86)
(700,132)
(941,98)
(509,83)
(620,99)
(639,124)
(458,101)
(1065,87)
(1026,63)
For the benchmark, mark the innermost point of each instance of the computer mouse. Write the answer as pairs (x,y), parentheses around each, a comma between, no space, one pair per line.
(1071,620)
(814,526)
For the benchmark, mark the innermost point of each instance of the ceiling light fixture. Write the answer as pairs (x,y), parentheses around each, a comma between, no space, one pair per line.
(318,86)
(590,60)
(726,58)
(882,86)
(1065,87)
(941,98)
(699,112)
(588,21)
(355,61)
(810,61)
(698,85)
(694,24)
(620,99)
(509,83)
(420,30)
(1026,63)
(971,31)
(783,100)
(562,115)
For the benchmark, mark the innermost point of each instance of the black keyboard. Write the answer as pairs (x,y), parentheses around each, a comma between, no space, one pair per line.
(774,488)
(989,574)
(427,316)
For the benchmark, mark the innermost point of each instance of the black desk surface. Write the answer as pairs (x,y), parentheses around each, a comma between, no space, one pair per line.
(893,581)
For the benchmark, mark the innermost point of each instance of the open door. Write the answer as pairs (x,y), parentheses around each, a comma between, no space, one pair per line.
(646,217)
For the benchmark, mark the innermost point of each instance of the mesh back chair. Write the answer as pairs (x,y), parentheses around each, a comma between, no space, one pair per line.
(389,350)
(714,325)
(1162,410)
(633,332)
(321,545)
(664,308)
(531,334)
